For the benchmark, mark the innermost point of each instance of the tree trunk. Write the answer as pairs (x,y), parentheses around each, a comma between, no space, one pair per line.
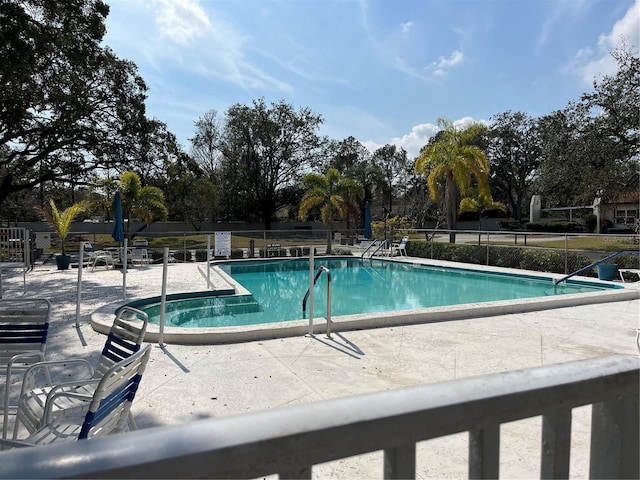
(451,205)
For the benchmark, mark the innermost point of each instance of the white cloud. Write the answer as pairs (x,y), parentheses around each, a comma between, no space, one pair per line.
(180,35)
(591,64)
(561,13)
(419,136)
(442,66)
(466,121)
(182,20)
(406,27)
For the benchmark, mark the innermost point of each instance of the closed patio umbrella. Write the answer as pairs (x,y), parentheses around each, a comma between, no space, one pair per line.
(118,225)
(118,236)
(367,221)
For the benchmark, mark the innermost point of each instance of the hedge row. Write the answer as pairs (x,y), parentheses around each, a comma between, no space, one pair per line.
(542,260)
(554,226)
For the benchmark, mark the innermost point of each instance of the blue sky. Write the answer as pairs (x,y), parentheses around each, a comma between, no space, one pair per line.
(382,71)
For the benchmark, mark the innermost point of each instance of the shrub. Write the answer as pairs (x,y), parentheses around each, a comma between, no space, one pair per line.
(508,257)
(393,224)
(557,227)
(590,221)
(627,261)
(476,254)
(544,260)
(511,225)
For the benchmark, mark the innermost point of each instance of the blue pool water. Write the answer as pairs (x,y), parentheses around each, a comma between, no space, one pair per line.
(278,287)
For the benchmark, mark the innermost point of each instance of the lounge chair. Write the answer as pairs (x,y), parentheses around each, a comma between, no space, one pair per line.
(140,244)
(101,256)
(124,339)
(400,248)
(139,255)
(108,406)
(622,271)
(24,325)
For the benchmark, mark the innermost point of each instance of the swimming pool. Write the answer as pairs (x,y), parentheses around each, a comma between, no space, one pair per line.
(272,291)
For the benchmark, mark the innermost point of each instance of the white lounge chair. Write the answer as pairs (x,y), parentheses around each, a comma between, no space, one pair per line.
(124,339)
(101,257)
(400,248)
(622,271)
(139,255)
(24,325)
(108,407)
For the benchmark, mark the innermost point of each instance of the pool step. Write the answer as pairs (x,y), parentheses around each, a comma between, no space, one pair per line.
(218,307)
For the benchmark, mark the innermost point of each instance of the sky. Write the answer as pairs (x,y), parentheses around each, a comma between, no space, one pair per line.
(382,71)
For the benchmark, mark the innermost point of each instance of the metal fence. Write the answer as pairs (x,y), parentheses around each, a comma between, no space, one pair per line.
(561,253)
(15,252)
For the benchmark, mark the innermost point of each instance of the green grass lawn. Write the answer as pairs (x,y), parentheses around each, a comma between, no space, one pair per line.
(612,244)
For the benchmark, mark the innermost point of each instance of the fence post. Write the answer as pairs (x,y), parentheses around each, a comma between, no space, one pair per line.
(208,261)
(163,295)
(433,236)
(566,253)
(79,292)
(311,272)
(487,247)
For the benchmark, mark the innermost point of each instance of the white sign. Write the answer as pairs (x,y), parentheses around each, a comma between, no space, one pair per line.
(43,240)
(223,244)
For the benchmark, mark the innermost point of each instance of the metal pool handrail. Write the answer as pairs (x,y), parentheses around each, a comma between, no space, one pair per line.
(594,264)
(321,269)
(372,244)
(382,245)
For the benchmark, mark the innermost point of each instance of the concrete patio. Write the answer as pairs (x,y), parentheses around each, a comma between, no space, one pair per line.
(185,383)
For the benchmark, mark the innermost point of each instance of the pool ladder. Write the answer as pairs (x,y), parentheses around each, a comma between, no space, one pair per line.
(319,272)
(594,264)
(383,244)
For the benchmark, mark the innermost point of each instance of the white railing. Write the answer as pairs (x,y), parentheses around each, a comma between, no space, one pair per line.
(288,441)
(14,252)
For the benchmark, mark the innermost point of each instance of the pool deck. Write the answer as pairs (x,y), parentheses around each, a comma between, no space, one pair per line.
(185,383)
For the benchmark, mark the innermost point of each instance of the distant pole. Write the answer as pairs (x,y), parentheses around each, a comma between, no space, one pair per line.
(311,249)
(208,261)
(163,298)
(124,269)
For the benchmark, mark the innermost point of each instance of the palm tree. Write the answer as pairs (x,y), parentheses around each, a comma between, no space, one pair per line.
(480,203)
(333,194)
(61,222)
(146,203)
(453,166)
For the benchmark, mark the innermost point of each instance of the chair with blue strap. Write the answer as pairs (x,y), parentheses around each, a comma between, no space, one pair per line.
(24,326)
(108,408)
(124,339)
